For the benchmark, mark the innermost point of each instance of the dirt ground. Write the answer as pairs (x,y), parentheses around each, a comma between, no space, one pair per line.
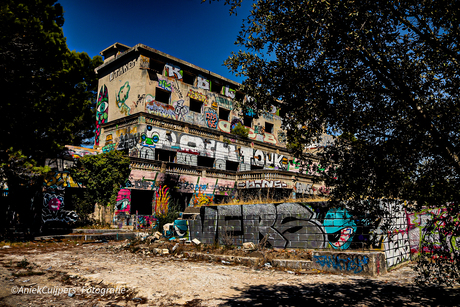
(106,274)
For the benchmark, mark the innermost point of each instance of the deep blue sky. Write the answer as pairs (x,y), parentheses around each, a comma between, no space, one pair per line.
(200,33)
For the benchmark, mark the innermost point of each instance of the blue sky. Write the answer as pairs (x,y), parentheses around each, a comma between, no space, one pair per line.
(200,33)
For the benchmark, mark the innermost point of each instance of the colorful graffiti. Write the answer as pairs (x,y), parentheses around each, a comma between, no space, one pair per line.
(160,109)
(228,92)
(212,119)
(161,201)
(53,209)
(102,112)
(340,228)
(354,264)
(201,199)
(173,71)
(123,201)
(122,97)
(203,83)
(146,222)
(180,109)
(198,96)
(59,180)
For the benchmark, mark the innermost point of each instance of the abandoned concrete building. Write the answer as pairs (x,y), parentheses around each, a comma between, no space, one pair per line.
(175,122)
(175,119)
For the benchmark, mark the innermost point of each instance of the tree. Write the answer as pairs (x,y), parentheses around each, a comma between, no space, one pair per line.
(382,75)
(102,176)
(49,91)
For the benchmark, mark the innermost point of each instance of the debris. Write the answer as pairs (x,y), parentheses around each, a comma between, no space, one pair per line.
(71,294)
(196,241)
(157,235)
(165,251)
(225,262)
(268,265)
(249,246)
(175,247)
(290,272)
(6,246)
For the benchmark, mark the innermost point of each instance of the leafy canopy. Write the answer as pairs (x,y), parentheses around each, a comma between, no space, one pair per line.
(102,176)
(48,91)
(383,75)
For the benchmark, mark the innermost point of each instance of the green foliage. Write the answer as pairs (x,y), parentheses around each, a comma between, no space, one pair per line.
(102,176)
(170,216)
(48,91)
(381,74)
(240,130)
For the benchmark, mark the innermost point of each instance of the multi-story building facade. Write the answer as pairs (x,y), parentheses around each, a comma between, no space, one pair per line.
(175,121)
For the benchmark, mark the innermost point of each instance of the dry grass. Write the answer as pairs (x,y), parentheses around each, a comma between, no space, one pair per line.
(255,201)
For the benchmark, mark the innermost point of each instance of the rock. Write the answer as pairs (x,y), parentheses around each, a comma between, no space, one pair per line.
(196,241)
(165,251)
(157,235)
(6,246)
(249,246)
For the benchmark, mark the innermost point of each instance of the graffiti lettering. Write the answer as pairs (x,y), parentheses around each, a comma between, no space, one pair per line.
(198,96)
(339,262)
(122,70)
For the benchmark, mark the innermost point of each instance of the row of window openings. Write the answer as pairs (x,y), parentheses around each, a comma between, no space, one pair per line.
(170,156)
(190,79)
(197,106)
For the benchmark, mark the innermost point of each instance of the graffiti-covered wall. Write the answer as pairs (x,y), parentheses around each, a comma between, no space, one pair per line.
(296,225)
(144,141)
(128,86)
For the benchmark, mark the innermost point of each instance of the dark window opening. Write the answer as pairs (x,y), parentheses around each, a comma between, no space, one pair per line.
(216,87)
(162,96)
(157,67)
(195,105)
(247,121)
(141,202)
(224,114)
(254,167)
(205,161)
(165,155)
(268,127)
(231,166)
(188,78)
(239,96)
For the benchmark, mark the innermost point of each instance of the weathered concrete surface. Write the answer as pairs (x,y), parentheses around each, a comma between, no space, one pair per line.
(356,263)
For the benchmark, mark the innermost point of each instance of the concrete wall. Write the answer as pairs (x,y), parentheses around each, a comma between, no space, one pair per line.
(314,226)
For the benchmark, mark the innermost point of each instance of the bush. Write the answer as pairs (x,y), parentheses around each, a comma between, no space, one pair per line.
(240,130)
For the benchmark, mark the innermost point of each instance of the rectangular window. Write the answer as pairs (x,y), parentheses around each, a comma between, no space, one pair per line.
(231,166)
(216,87)
(195,105)
(224,114)
(205,161)
(188,78)
(247,121)
(165,155)
(157,67)
(141,201)
(162,95)
(268,127)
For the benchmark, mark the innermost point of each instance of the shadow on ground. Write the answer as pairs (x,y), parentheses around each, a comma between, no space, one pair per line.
(353,293)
